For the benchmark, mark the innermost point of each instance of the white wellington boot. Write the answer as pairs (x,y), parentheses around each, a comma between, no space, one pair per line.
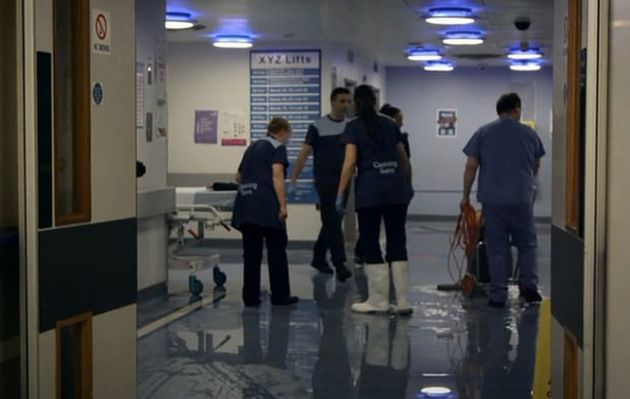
(400,345)
(377,345)
(378,290)
(400,277)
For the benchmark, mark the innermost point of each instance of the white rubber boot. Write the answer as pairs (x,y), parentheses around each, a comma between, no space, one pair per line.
(377,346)
(378,290)
(400,346)
(400,277)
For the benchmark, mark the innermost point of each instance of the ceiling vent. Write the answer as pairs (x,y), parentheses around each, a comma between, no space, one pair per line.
(478,56)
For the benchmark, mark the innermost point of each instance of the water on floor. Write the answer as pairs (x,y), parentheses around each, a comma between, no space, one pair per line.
(319,349)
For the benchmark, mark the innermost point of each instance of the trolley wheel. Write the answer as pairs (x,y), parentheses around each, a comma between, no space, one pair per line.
(195,285)
(219,276)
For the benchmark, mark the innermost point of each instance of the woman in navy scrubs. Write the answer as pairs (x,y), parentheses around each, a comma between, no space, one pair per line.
(260,213)
(383,191)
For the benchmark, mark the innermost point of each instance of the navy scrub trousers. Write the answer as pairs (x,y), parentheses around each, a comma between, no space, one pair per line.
(395,217)
(330,234)
(503,222)
(276,241)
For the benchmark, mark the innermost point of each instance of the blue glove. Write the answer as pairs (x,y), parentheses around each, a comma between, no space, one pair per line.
(291,189)
(340,205)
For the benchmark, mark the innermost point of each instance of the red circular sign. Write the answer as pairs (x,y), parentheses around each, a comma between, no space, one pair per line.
(101,26)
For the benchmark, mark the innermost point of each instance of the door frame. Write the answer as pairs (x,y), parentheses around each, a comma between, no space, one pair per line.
(27,96)
(595,200)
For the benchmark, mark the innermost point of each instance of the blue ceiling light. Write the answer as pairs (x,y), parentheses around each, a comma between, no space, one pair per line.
(463,38)
(525,66)
(518,54)
(450,16)
(436,393)
(439,66)
(179,21)
(233,41)
(423,54)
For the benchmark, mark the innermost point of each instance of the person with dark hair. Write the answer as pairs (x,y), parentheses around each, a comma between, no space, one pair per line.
(507,154)
(373,145)
(323,141)
(397,115)
(260,213)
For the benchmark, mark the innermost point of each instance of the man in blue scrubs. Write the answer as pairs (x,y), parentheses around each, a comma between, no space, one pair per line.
(323,140)
(507,155)
(260,213)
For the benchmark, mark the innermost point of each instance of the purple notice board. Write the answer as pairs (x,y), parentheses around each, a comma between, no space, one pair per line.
(206,126)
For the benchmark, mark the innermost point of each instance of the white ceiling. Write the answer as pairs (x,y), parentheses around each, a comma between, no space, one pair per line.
(380,29)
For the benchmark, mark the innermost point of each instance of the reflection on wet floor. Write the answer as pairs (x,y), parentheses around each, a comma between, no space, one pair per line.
(319,349)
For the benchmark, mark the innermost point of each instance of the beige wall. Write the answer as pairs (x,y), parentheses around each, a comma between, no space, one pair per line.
(152,258)
(8,116)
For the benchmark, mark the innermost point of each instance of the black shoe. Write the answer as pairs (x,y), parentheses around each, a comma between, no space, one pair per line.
(290,300)
(343,273)
(496,304)
(322,267)
(532,295)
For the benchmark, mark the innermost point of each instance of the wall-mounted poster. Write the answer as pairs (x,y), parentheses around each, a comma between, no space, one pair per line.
(287,84)
(206,125)
(447,123)
(139,95)
(233,128)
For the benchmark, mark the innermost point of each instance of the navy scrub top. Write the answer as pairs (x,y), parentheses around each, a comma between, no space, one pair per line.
(324,136)
(507,151)
(256,202)
(380,179)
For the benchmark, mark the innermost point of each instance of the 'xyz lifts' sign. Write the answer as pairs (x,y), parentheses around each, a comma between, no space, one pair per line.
(287,84)
(285,60)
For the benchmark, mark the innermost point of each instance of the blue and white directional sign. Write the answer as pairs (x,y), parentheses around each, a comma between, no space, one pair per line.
(287,84)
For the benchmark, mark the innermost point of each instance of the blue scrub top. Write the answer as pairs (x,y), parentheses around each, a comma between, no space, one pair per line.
(380,179)
(324,136)
(256,202)
(507,151)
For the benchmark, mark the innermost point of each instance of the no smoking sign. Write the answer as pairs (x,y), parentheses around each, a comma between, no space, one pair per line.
(101,32)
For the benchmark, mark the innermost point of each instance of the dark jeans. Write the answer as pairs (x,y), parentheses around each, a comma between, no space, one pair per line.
(331,233)
(276,241)
(395,217)
(502,223)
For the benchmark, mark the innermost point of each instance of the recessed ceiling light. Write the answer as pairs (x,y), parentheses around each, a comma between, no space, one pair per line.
(450,16)
(528,54)
(436,393)
(240,41)
(463,38)
(179,21)
(525,66)
(439,66)
(422,54)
